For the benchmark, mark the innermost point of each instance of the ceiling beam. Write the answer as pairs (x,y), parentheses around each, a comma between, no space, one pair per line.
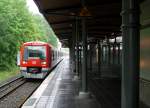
(62,28)
(95,24)
(63,37)
(102,2)
(61,9)
(103,27)
(61,22)
(64,33)
(103,32)
(79,6)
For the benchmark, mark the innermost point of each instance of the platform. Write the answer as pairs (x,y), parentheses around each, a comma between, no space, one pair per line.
(60,90)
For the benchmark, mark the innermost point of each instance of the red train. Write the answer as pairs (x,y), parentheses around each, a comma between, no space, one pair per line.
(37,59)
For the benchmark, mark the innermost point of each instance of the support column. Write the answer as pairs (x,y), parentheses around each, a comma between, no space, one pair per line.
(73,47)
(99,58)
(77,48)
(80,63)
(105,54)
(118,53)
(70,51)
(84,59)
(109,53)
(130,63)
(91,54)
(114,52)
(80,49)
(102,53)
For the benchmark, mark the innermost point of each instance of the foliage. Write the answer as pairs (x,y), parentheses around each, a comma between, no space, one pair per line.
(6,74)
(45,31)
(18,25)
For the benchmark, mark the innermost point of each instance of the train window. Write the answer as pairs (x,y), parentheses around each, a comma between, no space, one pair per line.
(25,54)
(53,55)
(35,52)
(58,54)
(18,58)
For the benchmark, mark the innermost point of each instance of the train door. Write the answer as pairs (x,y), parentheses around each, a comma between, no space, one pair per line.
(18,58)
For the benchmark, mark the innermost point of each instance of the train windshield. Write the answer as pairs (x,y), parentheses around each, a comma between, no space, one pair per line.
(35,52)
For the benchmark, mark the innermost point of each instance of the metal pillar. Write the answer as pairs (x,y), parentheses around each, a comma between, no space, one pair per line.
(73,47)
(114,53)
(77,48)
(109,53)
(102,54)
(130,63)
(70,50)
(84,59)
(105,54)
(118,53)
(99,58)
(80,59)
(90,57)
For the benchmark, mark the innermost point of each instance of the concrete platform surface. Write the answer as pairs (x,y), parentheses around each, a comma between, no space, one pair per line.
(60,90)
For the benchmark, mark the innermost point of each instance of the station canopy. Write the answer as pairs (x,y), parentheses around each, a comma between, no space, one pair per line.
(103,17)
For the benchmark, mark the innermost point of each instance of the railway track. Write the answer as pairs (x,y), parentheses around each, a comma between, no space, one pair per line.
(14,93)
(10,86)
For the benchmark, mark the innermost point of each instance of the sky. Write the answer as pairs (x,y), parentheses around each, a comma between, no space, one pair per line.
(32,7)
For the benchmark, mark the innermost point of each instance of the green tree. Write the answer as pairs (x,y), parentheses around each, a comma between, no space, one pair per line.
(45,31)
(18,25)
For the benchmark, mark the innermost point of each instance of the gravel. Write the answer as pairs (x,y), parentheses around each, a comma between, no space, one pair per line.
(18,97)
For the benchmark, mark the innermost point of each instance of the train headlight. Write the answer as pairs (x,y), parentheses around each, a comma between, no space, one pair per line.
(24,62)
(43,63)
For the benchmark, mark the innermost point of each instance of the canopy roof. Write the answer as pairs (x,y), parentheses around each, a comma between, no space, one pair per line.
(103,16)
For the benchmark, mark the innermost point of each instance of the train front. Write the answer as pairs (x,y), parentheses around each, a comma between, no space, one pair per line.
(34,61)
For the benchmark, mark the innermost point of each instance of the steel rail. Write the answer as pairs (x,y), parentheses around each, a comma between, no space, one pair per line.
(11,86)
